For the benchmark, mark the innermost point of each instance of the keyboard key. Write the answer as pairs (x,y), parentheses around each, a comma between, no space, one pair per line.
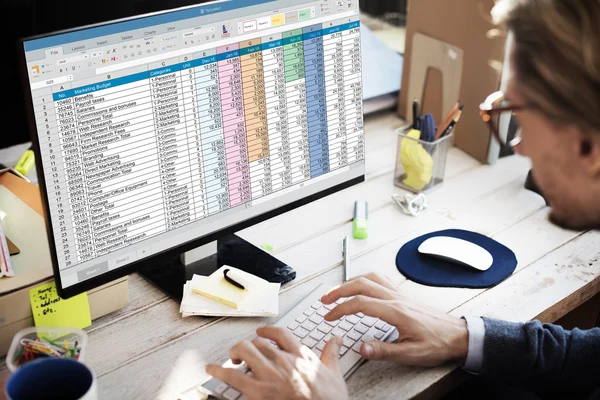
(293,326)
(323,327)
(309,342)
(317,352)
(321,345)
(317,305)
(301,332)
(386,327)
(301,318)
(354,335)
(379,324)
(360,315)
(327,337)
(315,319)
(221,388)
(361,328)
(333,323)
(322,311)
(309,326)
(309,312)
(368,321)
(343,350)
(338,332)
(356,347)
(345,326)
(353,319)
(379,335)
(317,335)
(330,306)
(348,342)
(231,394)
(340,300)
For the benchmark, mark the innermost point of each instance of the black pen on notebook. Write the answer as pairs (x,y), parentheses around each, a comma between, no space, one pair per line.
(235,279)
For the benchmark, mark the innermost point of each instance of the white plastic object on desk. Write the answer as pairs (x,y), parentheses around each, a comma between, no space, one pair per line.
(459,251)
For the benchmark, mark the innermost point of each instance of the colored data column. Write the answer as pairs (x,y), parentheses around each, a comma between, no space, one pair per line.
(279,138)
(234,125)
(293,54)
(315,100)
(211,132)
(253,81)
(334,84)
(353,91)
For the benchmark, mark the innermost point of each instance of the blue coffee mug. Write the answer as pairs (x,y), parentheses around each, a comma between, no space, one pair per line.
(52,378)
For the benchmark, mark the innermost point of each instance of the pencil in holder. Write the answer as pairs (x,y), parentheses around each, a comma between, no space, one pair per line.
(420,165)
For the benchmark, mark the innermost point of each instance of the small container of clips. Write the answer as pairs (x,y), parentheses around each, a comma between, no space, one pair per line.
(420,165)
(39,342)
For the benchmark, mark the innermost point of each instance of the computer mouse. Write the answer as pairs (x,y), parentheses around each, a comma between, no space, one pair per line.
(459,251)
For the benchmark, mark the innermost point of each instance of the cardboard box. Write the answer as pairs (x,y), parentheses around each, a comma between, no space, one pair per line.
(23,222)
(464,24)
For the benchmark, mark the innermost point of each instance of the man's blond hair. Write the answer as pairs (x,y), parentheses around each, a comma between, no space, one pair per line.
(557,57)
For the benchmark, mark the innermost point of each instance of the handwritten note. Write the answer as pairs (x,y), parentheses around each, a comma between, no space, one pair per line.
(50,310)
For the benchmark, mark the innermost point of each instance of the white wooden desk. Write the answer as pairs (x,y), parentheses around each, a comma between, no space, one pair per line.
(148,351)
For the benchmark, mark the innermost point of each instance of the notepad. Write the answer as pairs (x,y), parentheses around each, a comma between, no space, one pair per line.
(217,288)
(200,296)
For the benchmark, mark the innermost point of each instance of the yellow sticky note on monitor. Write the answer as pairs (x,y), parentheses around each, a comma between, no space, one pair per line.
(215,287)
(52,311)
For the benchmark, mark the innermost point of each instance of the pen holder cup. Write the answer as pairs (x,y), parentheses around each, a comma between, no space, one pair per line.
(30,344)
(420,165)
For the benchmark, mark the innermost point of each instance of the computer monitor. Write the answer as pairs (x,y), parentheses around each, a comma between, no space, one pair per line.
(158,134)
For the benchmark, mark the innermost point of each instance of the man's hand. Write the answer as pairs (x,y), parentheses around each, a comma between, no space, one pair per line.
(290,372)
(427,337)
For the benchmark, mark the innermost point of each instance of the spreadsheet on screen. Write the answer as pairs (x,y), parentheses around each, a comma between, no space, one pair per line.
(158,130)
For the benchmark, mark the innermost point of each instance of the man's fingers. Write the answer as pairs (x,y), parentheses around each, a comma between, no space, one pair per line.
(359,286)
(272,353)
(377,308)
(401,353)
(256,361)
(377,278)
(233,377)
(282,337)
(330,356)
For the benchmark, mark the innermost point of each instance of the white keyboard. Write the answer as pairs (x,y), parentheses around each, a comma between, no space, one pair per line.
(305,321)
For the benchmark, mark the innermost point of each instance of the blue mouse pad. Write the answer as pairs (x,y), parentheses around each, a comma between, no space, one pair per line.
(431,271)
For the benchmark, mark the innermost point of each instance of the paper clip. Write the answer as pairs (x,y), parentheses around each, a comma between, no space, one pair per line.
(411,204)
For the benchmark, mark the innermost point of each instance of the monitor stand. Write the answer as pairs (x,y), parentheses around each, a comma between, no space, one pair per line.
(231,250)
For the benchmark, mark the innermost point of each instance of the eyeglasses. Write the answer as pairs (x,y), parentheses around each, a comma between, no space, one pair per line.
(491,111)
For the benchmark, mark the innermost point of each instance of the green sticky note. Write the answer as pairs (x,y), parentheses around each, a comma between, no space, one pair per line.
(49,310)
(304,14)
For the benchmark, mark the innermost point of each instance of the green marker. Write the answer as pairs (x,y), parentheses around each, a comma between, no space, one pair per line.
(360,227)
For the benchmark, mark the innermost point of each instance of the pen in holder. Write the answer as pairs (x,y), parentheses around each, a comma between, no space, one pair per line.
(420,165)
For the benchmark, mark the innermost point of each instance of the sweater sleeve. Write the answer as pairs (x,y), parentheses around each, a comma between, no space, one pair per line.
(535,356)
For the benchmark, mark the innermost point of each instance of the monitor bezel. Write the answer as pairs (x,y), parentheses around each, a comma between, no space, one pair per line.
(166,255)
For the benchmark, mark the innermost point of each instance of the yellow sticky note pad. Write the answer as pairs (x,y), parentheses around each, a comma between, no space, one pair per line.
(215,287)
(50,310)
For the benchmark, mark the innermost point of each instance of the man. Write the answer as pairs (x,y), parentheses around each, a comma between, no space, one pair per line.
(554,92)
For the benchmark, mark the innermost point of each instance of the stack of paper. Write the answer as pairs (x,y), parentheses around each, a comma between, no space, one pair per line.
(214,296)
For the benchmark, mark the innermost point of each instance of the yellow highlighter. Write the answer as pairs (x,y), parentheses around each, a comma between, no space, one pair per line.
(26,162)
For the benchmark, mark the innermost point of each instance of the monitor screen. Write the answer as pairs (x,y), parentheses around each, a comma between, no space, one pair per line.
(157,131)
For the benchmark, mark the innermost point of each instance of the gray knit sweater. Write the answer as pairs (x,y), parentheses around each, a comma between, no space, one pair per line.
(541,357)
